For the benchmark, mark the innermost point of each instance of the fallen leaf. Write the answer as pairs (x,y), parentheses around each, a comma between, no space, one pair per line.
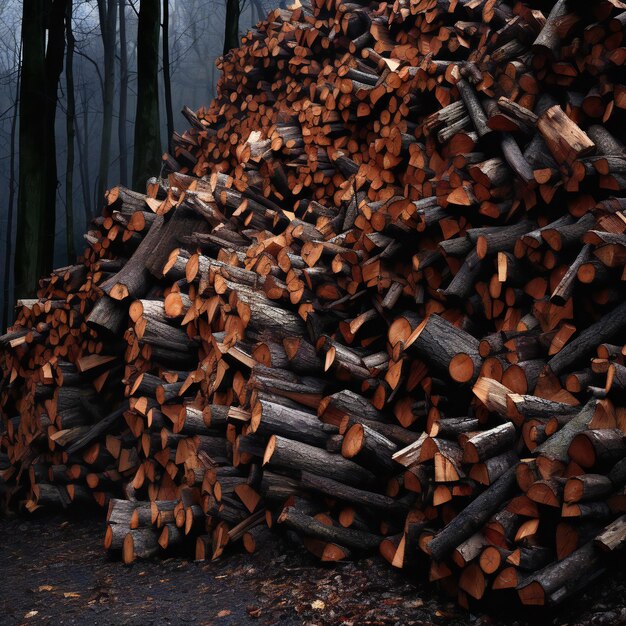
(224,613)
(31,614)
(254,611)
(71,594)
(45,588)
(318,605)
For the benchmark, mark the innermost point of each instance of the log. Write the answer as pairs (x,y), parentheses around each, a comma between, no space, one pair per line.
(294,455)
(269,418)
(355,539)
(613,537)
(602,331)
(561,579)
(473,516)
(555,448)
(442,343)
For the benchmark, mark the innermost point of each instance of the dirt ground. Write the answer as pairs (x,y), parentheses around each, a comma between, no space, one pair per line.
(53,570)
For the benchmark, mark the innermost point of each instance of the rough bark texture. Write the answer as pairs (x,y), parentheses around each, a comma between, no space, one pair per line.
(473,516)
(332,251)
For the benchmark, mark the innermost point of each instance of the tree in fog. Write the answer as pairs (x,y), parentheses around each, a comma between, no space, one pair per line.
(147,153)
(103,85)
(70,114)
(231,25)
(42,63)
(5,314)
(167,81)
(123,96)
(107,11)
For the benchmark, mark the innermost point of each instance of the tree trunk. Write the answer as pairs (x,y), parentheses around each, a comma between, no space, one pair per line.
(69,117)
(260,12)
(7,317)
(167,86)
(35,229)
(83,156)
(55,53)
(121,129)
(107,10)
(231,27)
(147,159)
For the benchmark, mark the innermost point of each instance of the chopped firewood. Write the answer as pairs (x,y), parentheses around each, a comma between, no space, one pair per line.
(375,297)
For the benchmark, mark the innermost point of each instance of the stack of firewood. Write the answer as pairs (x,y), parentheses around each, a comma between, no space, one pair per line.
(375,298)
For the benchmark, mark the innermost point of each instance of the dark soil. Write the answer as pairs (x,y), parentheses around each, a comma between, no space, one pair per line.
(53,570)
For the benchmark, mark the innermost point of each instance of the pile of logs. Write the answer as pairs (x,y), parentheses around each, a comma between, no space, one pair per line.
(376,298)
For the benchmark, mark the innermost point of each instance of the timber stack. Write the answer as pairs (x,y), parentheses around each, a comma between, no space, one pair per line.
(375,297)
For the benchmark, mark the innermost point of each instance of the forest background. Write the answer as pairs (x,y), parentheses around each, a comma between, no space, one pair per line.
(91,91)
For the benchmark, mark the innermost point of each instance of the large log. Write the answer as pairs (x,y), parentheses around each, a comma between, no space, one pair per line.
(473,516)
(296,456)
(559,580)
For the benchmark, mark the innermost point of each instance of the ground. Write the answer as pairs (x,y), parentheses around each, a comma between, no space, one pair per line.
(53,570)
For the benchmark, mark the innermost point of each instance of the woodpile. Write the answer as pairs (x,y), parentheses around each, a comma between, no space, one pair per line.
(376,298)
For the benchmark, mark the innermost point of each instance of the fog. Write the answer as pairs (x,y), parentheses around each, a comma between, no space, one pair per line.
(196,35)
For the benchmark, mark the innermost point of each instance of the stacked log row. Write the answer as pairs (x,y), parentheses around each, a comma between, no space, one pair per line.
(375,298)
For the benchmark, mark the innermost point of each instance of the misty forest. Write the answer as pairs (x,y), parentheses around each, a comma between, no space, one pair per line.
(90,94)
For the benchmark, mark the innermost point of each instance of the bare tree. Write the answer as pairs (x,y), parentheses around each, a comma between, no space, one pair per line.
(121,132)
(167,85)
(260,12)
(231,26)
(82,141)
(107,10)
(42,64)
(95,88)
(147,154)
(8,241)
(70,114)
